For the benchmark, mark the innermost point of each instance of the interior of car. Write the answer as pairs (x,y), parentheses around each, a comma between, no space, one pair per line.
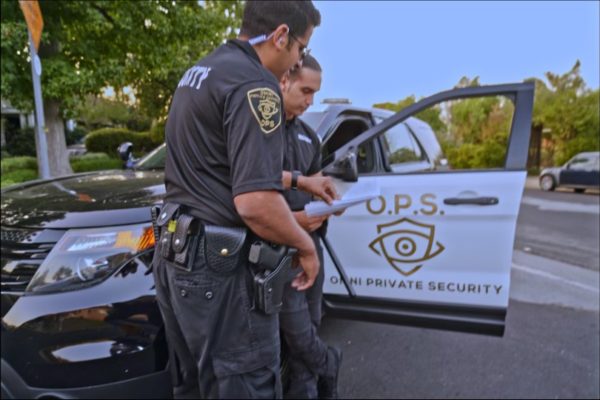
(346,130)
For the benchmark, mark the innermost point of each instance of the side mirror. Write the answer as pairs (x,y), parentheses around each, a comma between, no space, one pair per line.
(345,168)
(125,151)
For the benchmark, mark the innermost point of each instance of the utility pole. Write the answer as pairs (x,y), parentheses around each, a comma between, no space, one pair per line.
(35,23)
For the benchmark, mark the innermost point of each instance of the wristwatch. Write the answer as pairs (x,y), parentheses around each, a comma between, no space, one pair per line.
(295,175)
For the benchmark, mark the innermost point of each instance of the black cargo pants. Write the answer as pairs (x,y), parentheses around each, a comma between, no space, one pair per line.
(219,347)
(299,319)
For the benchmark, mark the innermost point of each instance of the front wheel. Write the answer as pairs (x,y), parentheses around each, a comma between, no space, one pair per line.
(547,183)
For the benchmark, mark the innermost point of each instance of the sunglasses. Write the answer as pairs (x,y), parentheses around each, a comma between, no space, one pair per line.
(304,51)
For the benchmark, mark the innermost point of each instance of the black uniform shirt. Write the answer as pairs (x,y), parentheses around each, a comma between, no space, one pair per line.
(302,153)
(224,134)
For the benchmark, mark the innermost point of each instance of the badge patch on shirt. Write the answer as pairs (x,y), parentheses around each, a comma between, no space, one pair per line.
(266,107)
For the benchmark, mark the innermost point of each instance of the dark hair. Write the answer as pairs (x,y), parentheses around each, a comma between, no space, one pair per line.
(307,62)
(262,17)
(311,63)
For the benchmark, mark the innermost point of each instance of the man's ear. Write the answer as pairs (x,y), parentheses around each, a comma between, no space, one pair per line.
(281,36)
(284,83)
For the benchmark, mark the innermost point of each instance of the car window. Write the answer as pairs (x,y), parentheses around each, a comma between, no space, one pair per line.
(582,163)
(465,134)
(401,147)
(153,160)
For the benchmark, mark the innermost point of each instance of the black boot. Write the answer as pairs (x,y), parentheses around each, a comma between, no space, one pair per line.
(328,383)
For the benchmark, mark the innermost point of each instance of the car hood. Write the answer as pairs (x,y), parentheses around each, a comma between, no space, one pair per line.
(85,200)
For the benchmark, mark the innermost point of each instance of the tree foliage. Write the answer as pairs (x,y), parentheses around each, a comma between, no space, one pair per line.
(89,45)
(569,114)
(97,112)
(429,115)
(474,132)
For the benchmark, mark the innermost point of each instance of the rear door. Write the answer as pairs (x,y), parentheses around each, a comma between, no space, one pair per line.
(435,248)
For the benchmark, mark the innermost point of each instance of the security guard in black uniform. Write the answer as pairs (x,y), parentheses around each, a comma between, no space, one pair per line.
(223,175)
(313,365)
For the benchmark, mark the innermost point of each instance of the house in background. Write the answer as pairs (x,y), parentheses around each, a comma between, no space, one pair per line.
(14,120)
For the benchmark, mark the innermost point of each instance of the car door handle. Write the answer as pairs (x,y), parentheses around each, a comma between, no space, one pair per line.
(480,201)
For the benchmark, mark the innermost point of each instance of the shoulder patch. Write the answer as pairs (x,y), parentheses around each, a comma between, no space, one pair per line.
(266,107)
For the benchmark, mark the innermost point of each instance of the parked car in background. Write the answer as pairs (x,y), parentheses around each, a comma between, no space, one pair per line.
(579,173)
(79,313)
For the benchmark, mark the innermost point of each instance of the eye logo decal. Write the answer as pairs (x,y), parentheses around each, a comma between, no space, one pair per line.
(411,243)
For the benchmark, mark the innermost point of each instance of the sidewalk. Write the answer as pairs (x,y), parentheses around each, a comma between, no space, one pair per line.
(532,182)
(540,280)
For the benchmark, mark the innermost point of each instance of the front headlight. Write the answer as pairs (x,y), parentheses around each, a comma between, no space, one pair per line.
(84,257)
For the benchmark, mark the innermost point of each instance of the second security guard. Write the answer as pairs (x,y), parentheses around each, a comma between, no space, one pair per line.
(314,366)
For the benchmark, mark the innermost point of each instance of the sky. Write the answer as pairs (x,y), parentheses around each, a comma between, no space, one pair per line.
(382,51)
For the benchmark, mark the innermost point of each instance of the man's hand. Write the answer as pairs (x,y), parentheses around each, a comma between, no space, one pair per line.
(309,224)
(309,261)
(320,186)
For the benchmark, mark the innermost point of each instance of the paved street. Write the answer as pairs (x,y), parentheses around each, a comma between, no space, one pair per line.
(551,345)
(560,225)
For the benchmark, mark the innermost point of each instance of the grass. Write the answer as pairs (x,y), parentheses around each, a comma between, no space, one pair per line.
(11,164)
(18,176)
(22,169)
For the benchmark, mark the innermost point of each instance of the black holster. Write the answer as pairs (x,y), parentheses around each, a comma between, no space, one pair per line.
(275,270)
(180,235)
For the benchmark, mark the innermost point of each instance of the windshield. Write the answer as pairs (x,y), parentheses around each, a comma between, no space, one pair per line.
(153,160)
(156,158)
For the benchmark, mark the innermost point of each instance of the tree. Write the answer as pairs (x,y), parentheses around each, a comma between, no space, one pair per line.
(97,112)
(430,115)
(89,45)
(569,114)
(472,132)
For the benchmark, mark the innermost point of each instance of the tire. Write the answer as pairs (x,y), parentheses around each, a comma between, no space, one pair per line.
(579,190)
(547,183)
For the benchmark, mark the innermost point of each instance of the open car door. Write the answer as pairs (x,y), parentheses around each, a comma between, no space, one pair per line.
(435,249)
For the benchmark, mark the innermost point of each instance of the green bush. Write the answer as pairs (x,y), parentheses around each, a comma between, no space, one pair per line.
(107,140)
(21,142)
(18,176)
(95,162)
(12,164)
(533,171)
(138,122)
(157,132)
(21,169)
(475,156)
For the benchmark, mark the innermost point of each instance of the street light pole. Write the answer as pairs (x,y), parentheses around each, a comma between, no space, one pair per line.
(36,72)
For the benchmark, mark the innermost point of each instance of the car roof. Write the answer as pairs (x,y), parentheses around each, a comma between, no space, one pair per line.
(589,154)
(315,118)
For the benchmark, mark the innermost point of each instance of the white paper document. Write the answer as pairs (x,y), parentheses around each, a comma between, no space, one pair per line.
(351,194)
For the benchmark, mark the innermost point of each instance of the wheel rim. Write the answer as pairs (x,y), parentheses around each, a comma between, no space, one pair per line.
(547,183)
